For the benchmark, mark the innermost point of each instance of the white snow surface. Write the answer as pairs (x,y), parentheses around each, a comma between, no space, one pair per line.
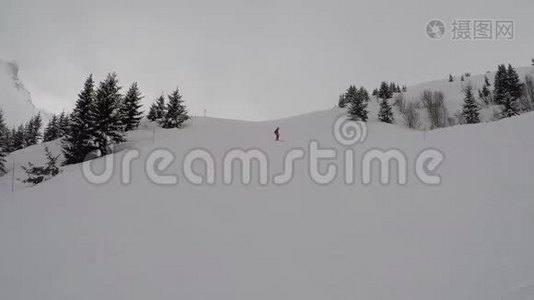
(468,238)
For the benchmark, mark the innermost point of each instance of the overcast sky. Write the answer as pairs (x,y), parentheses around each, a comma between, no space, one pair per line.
(249,60)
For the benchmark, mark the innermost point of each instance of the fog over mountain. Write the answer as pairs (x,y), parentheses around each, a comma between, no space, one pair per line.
(15,99)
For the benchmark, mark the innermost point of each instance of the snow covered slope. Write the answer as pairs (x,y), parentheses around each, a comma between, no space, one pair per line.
(468,238)
(453,91)
(15,99)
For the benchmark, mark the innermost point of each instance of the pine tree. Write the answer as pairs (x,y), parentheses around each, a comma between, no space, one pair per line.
(375,92)
(385,114)
(28,135)
(151,113)
(508,89)
(157,109)
(451,79)
(33,130)
(131,105)
(176,114)
(470,107)
(357,101)
(161,107)
(63,124)
(510,107)
(384,92)
(362,92)
(4,141)
(8,141)
(342,102)
(37,125)
(38,174)
(51,131)
(500,84)
(3,154)
(462,78)
(392,88)
(80,132)
(108,125)
(11,142)
(19,138)
(485,94)
(515,87)
(4,131)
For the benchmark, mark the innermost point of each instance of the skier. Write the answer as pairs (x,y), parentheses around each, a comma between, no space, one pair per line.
(277,133)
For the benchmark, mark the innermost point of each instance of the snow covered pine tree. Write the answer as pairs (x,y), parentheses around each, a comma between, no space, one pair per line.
(176,114)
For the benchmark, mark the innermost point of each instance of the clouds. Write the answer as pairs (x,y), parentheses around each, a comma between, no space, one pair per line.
(243,59)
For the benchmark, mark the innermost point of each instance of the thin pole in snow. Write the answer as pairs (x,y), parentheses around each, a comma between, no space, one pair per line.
(13,178)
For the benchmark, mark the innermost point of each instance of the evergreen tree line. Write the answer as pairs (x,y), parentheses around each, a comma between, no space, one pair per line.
(462,77)
(24,135)
(100,118)
(385,89)
(56,128)
(508,92)
(356,101)
(4,140)
(102,115)
(17,138)
(172,114)
(392,88)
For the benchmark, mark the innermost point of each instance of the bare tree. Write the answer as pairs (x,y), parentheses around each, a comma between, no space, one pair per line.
(434,102)
(526,101)
(400,102)
(411,116)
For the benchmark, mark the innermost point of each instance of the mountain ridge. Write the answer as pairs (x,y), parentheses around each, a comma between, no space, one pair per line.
(15,99)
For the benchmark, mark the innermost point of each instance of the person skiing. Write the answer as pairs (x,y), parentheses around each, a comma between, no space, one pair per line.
(277,133)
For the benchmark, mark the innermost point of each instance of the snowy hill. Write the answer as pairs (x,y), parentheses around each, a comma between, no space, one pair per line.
(468,238)
(15,99)
(453,91)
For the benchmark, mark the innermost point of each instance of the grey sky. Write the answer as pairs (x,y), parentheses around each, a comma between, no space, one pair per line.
(248,59)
